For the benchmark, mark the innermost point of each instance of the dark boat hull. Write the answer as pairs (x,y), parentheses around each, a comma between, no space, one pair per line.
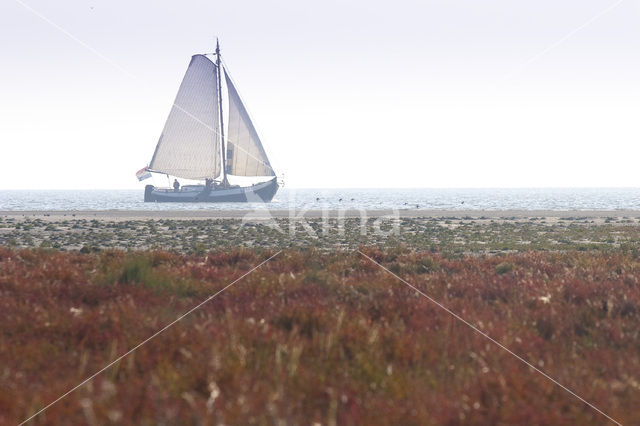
(259,193)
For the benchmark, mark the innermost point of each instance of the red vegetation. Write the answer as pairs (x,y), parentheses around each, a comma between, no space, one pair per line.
(319,337)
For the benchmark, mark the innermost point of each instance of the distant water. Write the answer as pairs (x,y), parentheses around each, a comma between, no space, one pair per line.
(446,199)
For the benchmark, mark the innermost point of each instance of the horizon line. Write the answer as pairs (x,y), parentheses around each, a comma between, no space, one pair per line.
(353,188)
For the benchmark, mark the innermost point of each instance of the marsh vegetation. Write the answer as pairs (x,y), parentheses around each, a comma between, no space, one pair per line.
(318,336)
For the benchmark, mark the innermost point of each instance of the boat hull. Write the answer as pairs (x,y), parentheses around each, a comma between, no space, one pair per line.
(259,193)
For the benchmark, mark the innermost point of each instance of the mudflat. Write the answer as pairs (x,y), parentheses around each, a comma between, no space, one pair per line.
(264,213)
(453,232)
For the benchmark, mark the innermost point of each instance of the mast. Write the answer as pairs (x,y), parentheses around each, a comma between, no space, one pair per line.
(222,141)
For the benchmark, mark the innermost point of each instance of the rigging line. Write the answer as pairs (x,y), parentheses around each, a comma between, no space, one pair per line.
(225,68)
(218,133)
(500,345)
(88,379)
(235,86)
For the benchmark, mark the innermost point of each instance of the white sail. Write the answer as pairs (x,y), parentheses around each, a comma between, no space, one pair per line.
(189,146)
(245,154)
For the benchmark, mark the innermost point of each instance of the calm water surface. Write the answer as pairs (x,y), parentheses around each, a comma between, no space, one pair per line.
(449,199)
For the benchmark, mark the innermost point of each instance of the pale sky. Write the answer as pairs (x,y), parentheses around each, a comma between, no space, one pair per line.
(447,93)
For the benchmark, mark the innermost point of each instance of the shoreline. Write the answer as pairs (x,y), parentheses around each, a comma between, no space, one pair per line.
(263,214)
(451,231)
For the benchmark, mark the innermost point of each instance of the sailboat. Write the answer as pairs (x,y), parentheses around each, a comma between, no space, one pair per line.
(193,145)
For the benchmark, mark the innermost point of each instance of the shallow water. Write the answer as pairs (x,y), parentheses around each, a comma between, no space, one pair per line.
(449,199)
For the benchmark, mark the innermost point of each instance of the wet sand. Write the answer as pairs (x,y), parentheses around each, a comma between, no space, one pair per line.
(118,215)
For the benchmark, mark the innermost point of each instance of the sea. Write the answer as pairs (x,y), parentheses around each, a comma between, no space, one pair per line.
(318,199)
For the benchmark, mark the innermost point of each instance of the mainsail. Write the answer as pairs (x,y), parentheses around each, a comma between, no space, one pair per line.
(189,146)
(245,154)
